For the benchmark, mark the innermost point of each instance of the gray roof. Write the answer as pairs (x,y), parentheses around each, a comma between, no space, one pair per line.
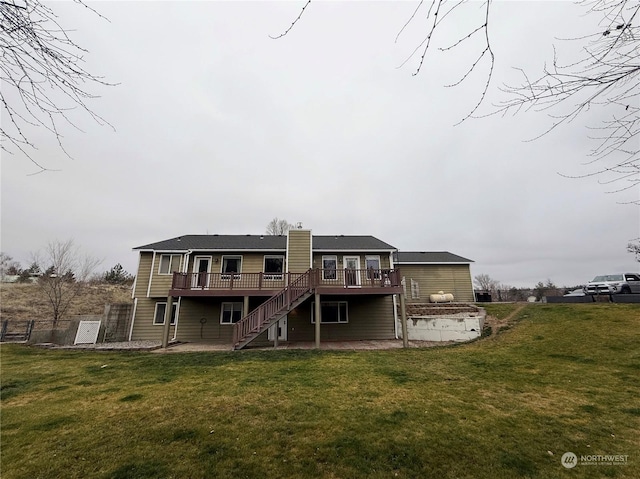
(407,257)
(265,242)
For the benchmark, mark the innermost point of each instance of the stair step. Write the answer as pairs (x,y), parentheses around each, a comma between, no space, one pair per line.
(267,323)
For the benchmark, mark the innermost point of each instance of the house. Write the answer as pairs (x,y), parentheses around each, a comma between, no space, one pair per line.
(428,273)
(259,289)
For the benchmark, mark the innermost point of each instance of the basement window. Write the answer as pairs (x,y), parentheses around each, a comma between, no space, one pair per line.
(332,312)
(230,313)
(161,308)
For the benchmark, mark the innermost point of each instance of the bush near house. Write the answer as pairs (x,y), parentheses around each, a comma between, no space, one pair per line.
(508,406)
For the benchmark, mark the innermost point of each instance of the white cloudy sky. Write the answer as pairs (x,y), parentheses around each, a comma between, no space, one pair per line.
(219,128)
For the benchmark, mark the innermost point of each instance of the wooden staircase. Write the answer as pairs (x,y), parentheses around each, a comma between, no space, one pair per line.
(273,310)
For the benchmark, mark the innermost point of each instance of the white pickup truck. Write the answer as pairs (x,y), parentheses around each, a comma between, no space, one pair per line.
(614,284)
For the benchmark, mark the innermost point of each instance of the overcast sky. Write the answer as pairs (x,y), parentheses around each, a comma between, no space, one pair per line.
(219,128)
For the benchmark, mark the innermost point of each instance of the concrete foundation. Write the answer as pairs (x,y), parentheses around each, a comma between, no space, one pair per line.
(438,324)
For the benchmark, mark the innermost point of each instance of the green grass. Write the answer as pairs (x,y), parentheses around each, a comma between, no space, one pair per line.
(562,378)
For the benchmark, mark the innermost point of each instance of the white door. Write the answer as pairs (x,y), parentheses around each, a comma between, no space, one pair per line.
(351,271)
(281,326)
(202,266)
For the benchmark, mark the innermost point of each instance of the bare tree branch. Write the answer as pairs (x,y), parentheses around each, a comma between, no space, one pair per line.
(42,67)
(293,24)
(607,76)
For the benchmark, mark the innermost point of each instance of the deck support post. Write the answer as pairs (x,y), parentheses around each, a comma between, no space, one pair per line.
(318,318)
(276,334)
(403,321)
(167,322)
(245,306)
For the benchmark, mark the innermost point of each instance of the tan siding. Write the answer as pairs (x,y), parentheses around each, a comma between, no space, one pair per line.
(190,327)
(142,277)
(370,317)
(161,283)
(299,251)
(384,259)
(143,327)
(449,278)
(193,310)
(251,262)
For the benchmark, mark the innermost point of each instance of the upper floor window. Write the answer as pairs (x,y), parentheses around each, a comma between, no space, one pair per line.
(372,263)
(415,289)
(231,264)
(169,263)
(273,267)
(329,267)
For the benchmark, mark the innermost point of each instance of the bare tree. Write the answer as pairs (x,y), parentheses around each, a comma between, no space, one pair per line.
(278,227)
(65,276)
(8,266)
(634,248)
(42,75)
(484,282)
(606,77)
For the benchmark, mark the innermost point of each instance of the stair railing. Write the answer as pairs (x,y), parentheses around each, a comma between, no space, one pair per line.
(254,321)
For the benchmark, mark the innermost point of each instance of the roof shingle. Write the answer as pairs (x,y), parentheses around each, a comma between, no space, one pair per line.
(265,242)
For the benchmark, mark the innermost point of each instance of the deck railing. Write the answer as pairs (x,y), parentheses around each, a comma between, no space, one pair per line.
(347,278)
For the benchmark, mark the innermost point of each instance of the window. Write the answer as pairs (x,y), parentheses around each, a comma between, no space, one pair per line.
(415,290)
(161,308)
(329,267)
(231,264)
(372,263)
(230,313)
(273,267)
(331,312)
(169,263)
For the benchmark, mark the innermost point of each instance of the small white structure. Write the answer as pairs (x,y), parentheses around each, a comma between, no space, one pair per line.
(87,332)
(446,326)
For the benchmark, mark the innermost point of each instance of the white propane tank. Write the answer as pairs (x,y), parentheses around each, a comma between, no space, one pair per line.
(441,297)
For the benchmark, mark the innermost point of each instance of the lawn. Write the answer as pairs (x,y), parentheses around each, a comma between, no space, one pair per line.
(560,378)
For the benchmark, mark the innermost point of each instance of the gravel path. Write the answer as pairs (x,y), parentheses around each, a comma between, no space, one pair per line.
(122,346)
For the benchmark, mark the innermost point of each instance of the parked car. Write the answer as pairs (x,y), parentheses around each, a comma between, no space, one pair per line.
(623,283)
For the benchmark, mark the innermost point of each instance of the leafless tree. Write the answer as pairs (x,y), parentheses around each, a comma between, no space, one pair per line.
(42,76)
(606,77)
(7,266)
(66,271)
(484,282)
(278,227)
(634,248)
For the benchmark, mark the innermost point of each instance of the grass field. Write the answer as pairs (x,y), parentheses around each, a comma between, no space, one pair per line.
(559,378)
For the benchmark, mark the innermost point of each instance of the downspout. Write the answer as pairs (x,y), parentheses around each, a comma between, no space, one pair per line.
(395,301)
(153,265)
(175,328)
(133,317)
(395,315)
(185,268)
